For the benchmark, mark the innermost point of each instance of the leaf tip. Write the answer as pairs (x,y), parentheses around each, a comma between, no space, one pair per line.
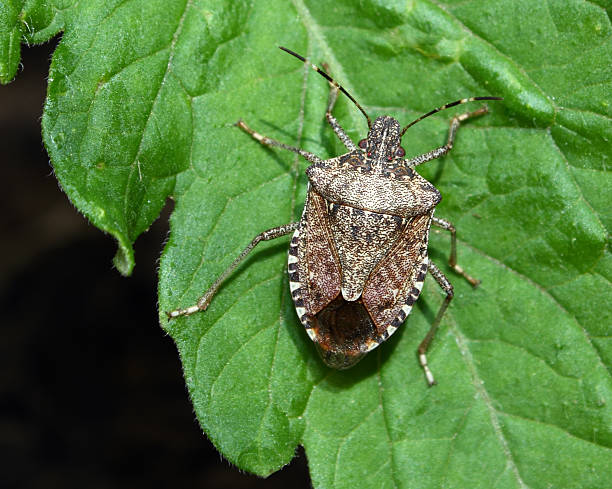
(124,259)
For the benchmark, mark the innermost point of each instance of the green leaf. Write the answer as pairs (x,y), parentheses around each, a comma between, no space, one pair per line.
(143,97)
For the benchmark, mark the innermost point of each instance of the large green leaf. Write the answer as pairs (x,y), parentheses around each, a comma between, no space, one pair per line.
(142,100)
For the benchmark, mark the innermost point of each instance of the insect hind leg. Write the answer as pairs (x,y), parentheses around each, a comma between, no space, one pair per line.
(443,282)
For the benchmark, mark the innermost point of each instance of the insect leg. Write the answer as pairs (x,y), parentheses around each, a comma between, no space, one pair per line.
(422,350)
(266,141)
(452,260)
(204,301)
(333,122)
(452,131)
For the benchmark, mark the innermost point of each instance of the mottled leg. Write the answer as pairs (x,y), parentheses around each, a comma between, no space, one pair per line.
(452,131)
(204,301)
(452,261)
(266,141)
(422,350)
(331,101)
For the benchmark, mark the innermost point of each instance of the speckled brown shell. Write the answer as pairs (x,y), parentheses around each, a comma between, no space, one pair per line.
(358,260)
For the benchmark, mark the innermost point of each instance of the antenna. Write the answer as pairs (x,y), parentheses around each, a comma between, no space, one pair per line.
(330,80)
(447,106)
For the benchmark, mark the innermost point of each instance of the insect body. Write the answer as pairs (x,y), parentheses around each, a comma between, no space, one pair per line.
(358,257)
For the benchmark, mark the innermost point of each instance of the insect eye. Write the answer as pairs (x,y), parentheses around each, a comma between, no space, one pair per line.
(400,153)
(390,158)
(363,144)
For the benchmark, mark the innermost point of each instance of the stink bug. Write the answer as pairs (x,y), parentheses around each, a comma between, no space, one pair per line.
(358,256)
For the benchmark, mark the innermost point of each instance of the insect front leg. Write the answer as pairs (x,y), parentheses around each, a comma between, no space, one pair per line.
(422,350)
(204,301)
(452,131)
(266,141)
(333,122)
(452,260)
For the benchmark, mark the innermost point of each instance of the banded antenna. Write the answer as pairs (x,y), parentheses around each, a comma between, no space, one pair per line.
(330,80)
(447,106)
(341,88)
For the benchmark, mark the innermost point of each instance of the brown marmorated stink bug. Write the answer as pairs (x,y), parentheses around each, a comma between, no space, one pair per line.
(358,256)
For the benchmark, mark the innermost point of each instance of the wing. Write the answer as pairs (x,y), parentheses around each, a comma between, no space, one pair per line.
(396,283)
(344,331)
(314,270)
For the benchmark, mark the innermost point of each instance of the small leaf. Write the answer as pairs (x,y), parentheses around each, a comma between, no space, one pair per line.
(143,97)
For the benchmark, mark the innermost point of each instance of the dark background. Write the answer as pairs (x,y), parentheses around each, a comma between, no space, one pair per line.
(91,388)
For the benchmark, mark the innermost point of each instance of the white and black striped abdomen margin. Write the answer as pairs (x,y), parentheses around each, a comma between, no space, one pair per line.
(295,286)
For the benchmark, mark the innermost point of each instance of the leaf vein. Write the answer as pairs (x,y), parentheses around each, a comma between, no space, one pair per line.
(479,387)
(549,425)
(218,319)
(545,292)
(385,420)
(171,48)
(344,439)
